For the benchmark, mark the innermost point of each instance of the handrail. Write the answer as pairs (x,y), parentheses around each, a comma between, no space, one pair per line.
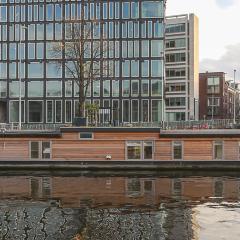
(201,124)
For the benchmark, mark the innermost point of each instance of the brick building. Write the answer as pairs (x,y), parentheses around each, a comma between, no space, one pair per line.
(216,96)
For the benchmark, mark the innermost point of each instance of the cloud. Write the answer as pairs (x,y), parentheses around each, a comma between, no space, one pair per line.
(229,61)
(225,3)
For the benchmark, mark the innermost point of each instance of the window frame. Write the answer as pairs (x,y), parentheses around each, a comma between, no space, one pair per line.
(182,150)
(40,148)
(216,143)
(142,155)
(82,139)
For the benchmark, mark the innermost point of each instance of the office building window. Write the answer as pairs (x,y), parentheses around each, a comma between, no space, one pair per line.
(14,111)
(54,88)
(156,87)
(174,28)
(3,89)
(135,111)
(14,89)
(35,70)
(58,111)
(126,111)
(35,89)
(125,88)
(35,111)
(175,57)
(156,110)
(152,9)
(68,111)
(145,110)
(49,110)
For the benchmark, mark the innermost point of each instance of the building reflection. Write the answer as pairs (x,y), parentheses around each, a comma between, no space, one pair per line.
(118,191)
(142,208)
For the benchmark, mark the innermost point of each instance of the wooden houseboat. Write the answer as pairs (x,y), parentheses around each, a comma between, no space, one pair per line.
(120,143)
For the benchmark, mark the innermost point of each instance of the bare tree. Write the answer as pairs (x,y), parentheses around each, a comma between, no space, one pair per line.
(83,55)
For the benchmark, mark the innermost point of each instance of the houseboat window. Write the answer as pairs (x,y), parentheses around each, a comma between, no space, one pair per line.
(148,150)
(177,150)
(218,150)
(34,150)
(46,150)
(40,150)
(86,135)
(137,150)
(134,150)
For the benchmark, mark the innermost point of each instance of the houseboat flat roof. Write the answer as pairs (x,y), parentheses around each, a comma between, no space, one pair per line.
(187,133)
(198,133)
(30,133)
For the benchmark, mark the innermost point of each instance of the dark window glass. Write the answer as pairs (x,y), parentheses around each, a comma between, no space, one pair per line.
(34,150)
(218,150)
(86,135)
(177,150)
(134,150)
(148,150)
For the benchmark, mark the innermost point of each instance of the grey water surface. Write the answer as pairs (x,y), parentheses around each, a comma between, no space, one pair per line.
(117,207)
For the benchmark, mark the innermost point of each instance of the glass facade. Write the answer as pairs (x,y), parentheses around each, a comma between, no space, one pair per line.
(133,32)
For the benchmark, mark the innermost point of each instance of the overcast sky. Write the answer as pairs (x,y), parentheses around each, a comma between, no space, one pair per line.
(219,29)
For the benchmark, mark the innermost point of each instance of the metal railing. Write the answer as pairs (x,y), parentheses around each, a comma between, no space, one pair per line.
(29,127)
(202,124)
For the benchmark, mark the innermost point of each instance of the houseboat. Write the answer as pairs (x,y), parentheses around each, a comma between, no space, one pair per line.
(120,144)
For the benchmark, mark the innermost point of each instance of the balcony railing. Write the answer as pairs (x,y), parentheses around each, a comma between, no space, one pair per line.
(203,124)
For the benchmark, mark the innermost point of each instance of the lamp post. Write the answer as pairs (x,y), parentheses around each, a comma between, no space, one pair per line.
(163,88)
(21,27)
(234,100)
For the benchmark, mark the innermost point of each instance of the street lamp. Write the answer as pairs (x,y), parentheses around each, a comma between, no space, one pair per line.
(234,101)
(163,88)
(21,27)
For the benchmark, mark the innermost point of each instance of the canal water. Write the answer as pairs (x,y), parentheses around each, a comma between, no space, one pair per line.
(119,207)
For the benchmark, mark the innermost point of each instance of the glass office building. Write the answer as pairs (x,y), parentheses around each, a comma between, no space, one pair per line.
(133,30)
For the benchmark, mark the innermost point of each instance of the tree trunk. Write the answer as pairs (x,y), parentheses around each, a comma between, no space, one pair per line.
(81,101)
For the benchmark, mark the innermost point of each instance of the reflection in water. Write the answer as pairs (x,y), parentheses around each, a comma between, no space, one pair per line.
(107,208)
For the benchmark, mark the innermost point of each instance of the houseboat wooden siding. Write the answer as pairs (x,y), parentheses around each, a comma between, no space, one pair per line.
(97,144)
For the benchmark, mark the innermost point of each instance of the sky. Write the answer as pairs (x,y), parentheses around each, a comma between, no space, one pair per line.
(219,32)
